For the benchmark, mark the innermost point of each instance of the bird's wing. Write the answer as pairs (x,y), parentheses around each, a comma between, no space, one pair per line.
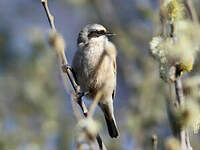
(76,64)
(115,73)
(115,66)
(113,53)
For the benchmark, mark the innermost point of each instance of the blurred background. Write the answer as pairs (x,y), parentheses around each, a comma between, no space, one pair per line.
(35,109)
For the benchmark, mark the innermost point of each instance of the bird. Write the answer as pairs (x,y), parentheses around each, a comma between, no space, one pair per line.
(94,70)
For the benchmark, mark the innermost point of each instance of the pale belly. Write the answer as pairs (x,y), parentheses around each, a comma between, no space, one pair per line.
(95,76)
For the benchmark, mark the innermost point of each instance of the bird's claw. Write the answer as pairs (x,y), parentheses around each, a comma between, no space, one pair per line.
(66,67)
(80,95)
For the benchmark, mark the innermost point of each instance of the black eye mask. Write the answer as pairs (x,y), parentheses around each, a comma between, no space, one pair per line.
(96,33)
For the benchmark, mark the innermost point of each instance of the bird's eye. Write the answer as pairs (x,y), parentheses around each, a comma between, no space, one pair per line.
(93,34)
(101,32)
(96,33)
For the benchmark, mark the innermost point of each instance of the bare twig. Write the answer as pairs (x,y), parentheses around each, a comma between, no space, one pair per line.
(49,16)
(61,51)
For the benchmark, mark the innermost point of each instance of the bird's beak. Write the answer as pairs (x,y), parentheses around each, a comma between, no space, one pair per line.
(110,34)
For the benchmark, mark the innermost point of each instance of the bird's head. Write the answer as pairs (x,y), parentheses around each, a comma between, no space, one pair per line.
(95,32)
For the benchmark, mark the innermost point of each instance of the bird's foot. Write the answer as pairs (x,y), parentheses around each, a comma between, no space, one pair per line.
(65,67)
(80,95)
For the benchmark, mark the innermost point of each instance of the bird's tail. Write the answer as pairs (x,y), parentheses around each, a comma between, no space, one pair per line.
(112,127)
(110,120)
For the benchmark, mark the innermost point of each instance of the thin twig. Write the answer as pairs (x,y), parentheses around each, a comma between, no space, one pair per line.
(183,133)
(49,16)
(64,61)
(61,53)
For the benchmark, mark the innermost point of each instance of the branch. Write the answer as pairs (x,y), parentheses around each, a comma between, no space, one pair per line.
(179,92)
(49,16)
(183,134)
(179,132)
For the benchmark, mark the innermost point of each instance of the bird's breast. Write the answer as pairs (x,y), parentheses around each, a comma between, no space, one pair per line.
(96,69)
